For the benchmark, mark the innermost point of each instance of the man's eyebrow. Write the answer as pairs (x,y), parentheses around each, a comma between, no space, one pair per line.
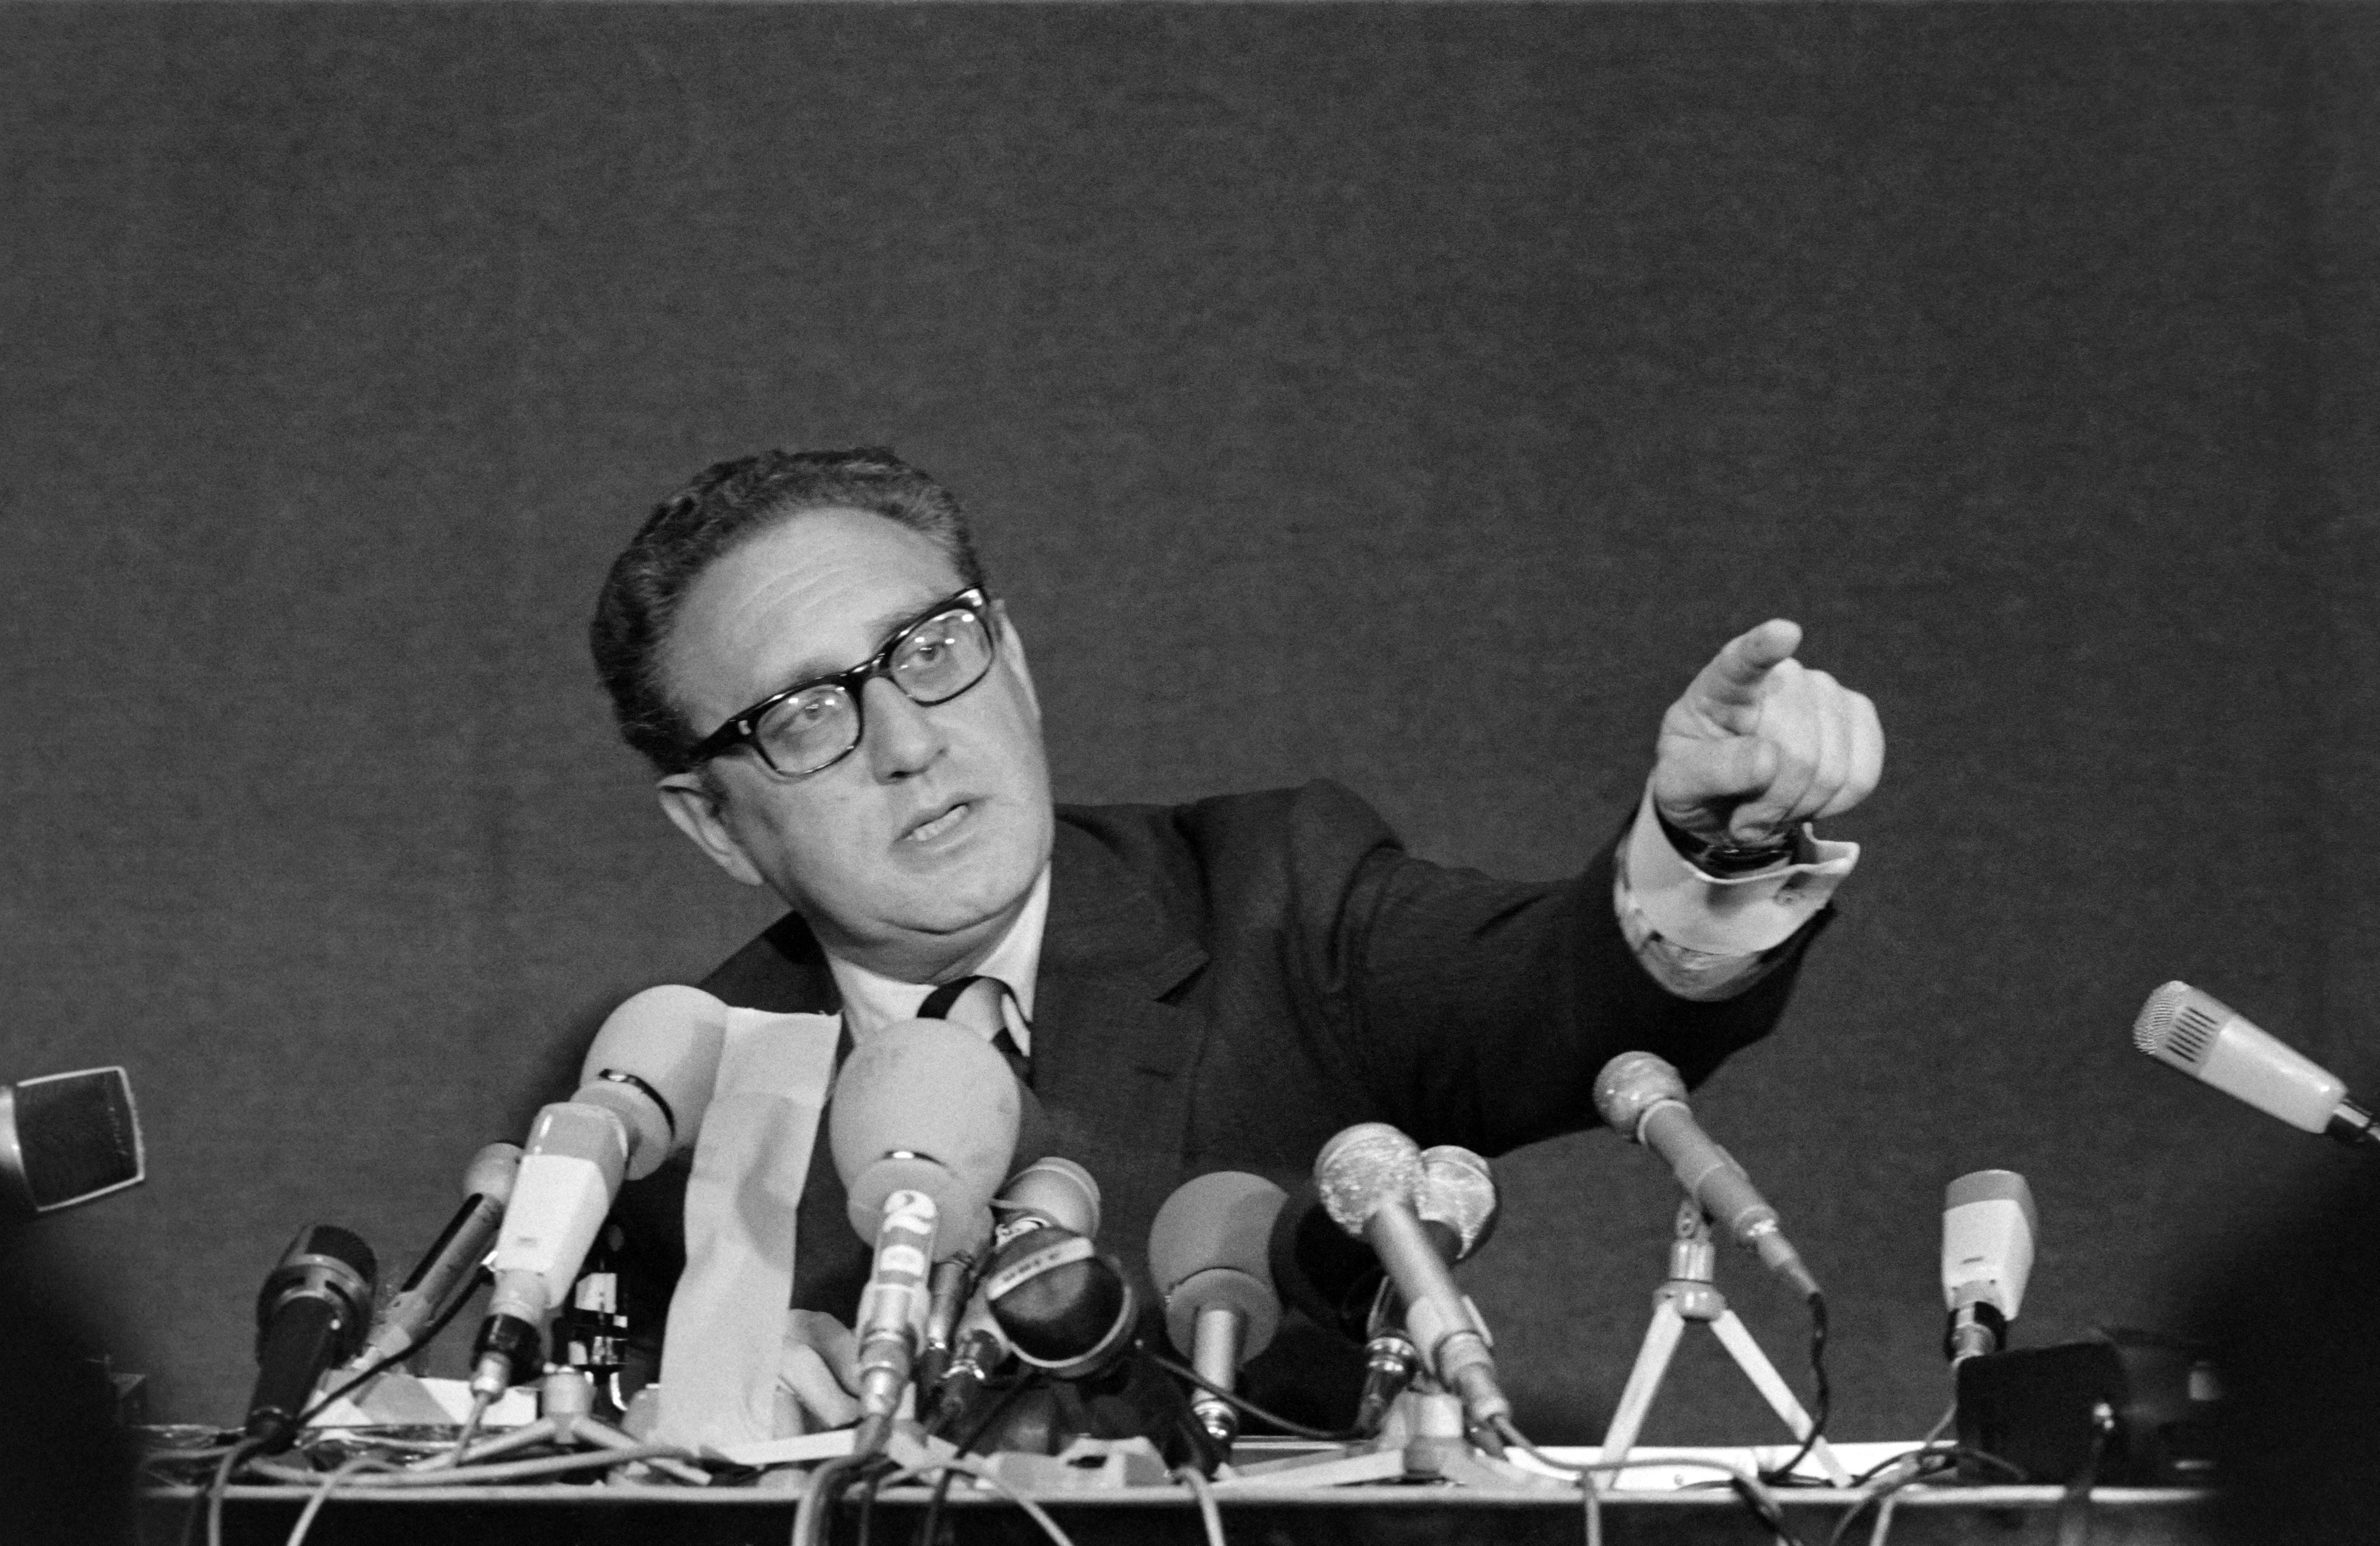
(880,627)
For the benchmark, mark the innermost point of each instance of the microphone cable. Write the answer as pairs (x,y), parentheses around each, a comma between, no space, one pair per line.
(1922,1464)
(1822,1398)
(1183,1372)
(1017,1387)
(1746,1485)
(480,1279)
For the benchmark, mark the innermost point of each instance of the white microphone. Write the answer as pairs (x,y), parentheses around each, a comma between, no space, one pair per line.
(922,1125)
(1988,1227)
(1370,1177)
(2205,1038)
(644,1088)
(1641,1096)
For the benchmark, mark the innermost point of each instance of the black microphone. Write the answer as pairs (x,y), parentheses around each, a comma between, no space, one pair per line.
(65,1139)
(1065,1305)
(1643,1098)
(959,1343)
(449,1269)
(311,1314)
(1320,1270)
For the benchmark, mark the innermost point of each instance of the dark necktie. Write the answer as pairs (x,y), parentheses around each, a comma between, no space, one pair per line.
(980,1011)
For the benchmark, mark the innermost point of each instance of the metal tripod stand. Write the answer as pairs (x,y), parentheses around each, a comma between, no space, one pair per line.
(565,1402)
(1689,1296)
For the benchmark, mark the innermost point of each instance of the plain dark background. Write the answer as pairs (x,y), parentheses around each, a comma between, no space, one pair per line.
(1411,394)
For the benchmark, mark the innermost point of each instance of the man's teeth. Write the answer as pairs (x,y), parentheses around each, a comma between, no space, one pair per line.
(939,825)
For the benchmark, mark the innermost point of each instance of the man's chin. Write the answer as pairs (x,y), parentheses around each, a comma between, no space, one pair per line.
(966,913)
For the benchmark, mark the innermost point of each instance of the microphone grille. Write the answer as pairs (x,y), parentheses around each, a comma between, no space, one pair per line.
(1631,1084)
(2176,1027)
(1364,1167)
(78,1135)
(1458,1191)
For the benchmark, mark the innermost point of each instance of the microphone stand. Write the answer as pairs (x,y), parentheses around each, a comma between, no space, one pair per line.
(1690,1296)
(565,1402)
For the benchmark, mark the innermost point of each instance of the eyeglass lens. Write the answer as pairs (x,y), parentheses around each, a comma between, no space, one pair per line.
(932,663)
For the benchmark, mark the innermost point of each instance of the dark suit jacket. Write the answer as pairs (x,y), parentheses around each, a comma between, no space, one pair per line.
(1224,985)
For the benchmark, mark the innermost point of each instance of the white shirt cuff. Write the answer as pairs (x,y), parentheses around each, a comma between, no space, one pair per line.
(1739,915)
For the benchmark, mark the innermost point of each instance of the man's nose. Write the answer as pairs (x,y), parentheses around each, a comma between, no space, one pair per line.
(902,738)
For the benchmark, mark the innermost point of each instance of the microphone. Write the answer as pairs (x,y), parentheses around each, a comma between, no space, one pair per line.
(922,1125)
(449,1269)
(1057,1302)
(1457,1209)
(1641,1096)
(2204,1037)
(1988,1232)
(65,1139)
(1319,1269)
(645,1086)
(1208,1254)
(979,1348)
(309,1315)
(1051,1192)
(1369,1176)
(1457,1203)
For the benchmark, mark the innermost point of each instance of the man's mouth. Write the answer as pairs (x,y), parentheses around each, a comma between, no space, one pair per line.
(928,832)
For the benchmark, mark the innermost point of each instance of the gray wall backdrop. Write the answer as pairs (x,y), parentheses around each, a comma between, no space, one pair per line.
(1413,394)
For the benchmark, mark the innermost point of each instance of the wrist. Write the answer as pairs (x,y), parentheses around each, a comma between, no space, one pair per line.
(1722,858)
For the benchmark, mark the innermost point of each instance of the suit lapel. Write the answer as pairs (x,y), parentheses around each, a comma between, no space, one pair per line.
(1112,1062)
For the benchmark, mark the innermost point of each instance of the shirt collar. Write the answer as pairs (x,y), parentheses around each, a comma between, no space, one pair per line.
(871,1000)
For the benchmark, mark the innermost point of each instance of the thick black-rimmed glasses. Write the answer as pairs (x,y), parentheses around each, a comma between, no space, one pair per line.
(813,725)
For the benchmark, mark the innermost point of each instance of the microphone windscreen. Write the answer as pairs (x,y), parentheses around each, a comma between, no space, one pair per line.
(492,1172)
(927,1106)
(1320,1269)
(1053,1189)
(1036,1134)
(1211,1248)
(1061,1303)
(664,1043)
(67,1138)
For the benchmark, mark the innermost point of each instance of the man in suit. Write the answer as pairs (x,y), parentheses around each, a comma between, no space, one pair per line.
(804,649)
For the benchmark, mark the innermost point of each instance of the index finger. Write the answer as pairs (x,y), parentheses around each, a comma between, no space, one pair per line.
(1734,677)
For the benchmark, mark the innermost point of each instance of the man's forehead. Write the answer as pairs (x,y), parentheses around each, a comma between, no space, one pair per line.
(812,594)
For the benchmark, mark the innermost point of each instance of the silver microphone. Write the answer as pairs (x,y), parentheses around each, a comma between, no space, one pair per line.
(2208,1040)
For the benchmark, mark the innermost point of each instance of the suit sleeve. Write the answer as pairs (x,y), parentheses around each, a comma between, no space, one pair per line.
(1476,1011)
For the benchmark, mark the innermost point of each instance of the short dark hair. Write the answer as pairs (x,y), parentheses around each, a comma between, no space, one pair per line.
(726,505)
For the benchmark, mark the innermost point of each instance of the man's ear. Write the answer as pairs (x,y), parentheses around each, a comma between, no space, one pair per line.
(689,804)
(1013,646)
